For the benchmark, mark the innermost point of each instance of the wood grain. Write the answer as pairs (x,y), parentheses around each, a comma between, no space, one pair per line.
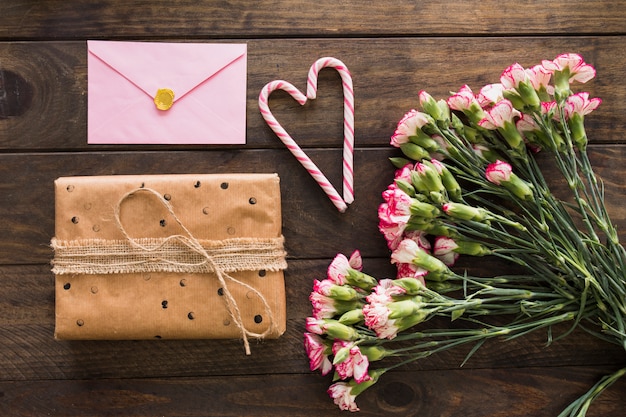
(32,19)
(386,78)
(29,352)
(393,48)
(537,392)
(313,228)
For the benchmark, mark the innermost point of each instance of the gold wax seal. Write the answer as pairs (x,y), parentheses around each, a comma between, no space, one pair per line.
(164,99)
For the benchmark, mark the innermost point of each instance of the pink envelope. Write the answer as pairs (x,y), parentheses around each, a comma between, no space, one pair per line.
(208,81)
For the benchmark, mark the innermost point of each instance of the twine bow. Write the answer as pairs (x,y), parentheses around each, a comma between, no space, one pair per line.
(193,244)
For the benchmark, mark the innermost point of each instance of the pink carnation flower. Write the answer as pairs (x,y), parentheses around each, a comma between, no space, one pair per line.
(404,173)
(580,104)
(513,76)
(315,325)
(391,230)
(526,124)
(463,100)
(500,114)
(356,364)
(341,393)
(341,266)
(490,94)
(376,317)
(384,291)
(316,350)
(338,269)
(393,215)
(406,251)
(324,307)
(444,250)
(412,271)
(408,126)
(575,66)
(398,203)
(356,261)
(549,108)
(539,78)
(498,172)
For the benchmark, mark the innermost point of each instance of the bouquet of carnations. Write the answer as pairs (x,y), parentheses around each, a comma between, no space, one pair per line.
(468,183)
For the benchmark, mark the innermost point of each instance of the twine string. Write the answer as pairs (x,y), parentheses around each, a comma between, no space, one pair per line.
(189,241)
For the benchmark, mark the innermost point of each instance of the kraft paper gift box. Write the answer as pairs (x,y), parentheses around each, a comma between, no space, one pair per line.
(160,92)
(171,257)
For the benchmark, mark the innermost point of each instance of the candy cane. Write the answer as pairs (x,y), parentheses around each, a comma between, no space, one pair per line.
(348,117)
(282,134)
(294,148)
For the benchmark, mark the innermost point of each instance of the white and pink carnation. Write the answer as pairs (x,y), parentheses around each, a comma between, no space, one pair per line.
(444,250)
(316,350)
(575,66)
(500,114)
(580,104)
(355,365)
(341,393)
(408,126)
(498,172)
(463,100)
(376,317)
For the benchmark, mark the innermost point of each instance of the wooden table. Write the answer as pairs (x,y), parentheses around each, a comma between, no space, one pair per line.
(394,49)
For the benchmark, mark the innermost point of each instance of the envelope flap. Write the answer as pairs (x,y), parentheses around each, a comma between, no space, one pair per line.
(179,67)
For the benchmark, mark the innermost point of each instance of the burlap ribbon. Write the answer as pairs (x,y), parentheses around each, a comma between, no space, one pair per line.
(181,253)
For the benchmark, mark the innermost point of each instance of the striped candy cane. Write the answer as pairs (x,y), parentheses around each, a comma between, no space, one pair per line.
(294,148)
(348,117)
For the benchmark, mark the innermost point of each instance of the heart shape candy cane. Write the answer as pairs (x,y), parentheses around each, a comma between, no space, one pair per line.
(348,127)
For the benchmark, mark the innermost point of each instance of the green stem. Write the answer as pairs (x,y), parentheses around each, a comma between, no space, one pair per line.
(579,407)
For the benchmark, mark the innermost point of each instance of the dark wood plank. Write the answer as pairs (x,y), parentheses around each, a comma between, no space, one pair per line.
(393,48)
(51,80)
(29,352)
(313,228)
(537,392)
(33,19)
(311,224)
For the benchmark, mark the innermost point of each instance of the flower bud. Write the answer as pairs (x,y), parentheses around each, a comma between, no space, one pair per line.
(374,353)
(443,286)
(465,212)
(471,248)
(343,293)
(342,354)
(430,263)
(423,210)
(414,151)
(360,279)
(412,320)
(429,105)
(429,176)
(501,173)
(358,388)
(351,317)
(519,187)
(411,285)
(432,227)
(403,308)
(529,95)
(399,162)
(426,142)
(485,152)
(337,330)
(449,182)
(405,186)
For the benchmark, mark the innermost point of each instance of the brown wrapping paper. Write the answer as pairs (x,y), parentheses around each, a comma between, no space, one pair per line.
(196,240)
